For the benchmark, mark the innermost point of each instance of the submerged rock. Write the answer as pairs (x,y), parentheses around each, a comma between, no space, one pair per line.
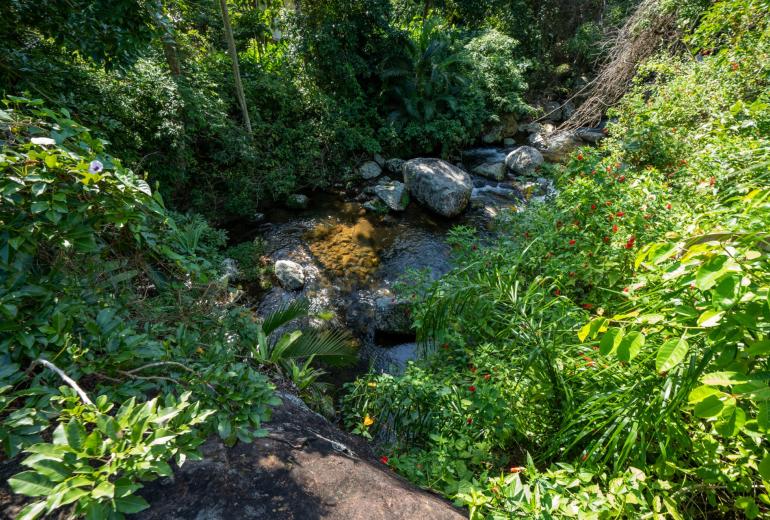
(393,194)
(290,274)
(392,316)
(524,160)
(494,171)
(442,187)
(369,170)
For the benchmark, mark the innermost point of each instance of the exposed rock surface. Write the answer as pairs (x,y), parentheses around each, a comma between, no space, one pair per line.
(306,469)
(442,187)
(393,194)
(290,274)
(369,170)
(524,160)
(558,146)
(494,171)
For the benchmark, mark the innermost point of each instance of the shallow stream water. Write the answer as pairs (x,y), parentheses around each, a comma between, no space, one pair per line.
(351,257)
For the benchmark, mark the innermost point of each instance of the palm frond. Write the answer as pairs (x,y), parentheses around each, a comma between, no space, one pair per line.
(284,314)
(333,346)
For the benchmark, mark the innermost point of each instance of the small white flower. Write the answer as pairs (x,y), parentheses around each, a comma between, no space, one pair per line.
(43,141)
(95,167)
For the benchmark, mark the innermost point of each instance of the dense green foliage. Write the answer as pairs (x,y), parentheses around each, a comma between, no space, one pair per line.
(106,293)
(617,336)
(326,86)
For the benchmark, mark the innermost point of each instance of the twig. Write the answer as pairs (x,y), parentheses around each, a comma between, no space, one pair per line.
(158,364)
(67,379)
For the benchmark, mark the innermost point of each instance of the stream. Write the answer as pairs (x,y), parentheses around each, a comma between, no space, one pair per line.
(353,258)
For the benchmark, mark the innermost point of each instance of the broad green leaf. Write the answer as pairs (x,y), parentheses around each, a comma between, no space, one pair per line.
(702,392)
(710,318)
(105,489)
(31,511)
(708,273)
(670,354)
(131,504)
(731,421)
(75,433)
(709,407)
(759,348)
(630,346)
(30,483)
(724,378)
(610,341)
(764,468)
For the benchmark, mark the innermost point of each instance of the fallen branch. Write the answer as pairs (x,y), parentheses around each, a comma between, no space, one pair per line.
(67,379)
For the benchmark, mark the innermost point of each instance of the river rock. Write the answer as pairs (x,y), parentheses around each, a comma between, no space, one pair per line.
(297,201)
(304,469)
(552,111)
(510,125)
(524,160)
(290,274)
(444,188)
(375,206)
(393,194)
(380,160)
(508,142)
(567,110)
(369,170)
(392,316)
(395,166)
(560,145)
(494,171)
(590,135)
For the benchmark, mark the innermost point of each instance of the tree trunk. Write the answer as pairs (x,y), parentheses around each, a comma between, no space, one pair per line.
(172,59)
(236,69)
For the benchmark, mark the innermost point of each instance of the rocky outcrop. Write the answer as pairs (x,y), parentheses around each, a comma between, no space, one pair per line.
(494,171)
(393,194)
(558,146)
(369,170)
(304,469)
(524,160)
(290,274)
(442,187)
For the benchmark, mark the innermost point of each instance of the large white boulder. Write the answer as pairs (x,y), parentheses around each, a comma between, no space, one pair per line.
(442,187)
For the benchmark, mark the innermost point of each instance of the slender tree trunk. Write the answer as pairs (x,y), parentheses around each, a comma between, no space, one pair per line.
(236,69)
(172,59)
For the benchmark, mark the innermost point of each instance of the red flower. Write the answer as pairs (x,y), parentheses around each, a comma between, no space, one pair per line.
(473,370)
(614,228)
(580,157)
(384,459)
(626,289)
(474,247)
(588,306)
(471,388)
(609,203)
(517,469)
(593,207)
(668,206)
(487,376)
(584,457)
(572,242)
(557,292)
(445,346)
(469,420)
(606,239)
(620,214)
(526,234)
(630,242)
(734,65)
(621,178)
(712,181)
(593,172)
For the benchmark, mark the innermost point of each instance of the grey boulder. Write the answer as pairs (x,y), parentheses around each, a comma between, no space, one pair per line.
(369,170)
(290,274)
(524,160)
(442,187)
(393,194)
